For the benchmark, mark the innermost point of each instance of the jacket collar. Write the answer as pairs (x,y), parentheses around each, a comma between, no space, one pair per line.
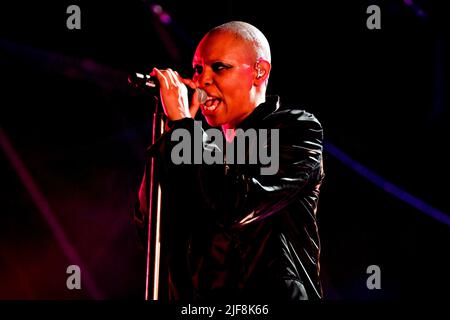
(271,104)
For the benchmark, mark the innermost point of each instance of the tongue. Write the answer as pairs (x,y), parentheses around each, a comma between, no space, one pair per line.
(209,103)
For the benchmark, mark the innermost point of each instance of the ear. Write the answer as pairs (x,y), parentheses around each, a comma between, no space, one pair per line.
(262,71)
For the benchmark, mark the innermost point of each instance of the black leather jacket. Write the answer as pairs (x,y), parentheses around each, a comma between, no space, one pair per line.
(232,233)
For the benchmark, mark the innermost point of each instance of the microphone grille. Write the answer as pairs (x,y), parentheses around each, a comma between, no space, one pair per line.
(202,95)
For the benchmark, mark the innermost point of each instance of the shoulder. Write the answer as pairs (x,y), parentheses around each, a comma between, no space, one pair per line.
(294,118)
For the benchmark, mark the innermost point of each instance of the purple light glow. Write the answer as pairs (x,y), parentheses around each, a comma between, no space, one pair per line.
(387,186)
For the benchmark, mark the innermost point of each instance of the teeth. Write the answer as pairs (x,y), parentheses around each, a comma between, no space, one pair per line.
(211,103)
(213,107)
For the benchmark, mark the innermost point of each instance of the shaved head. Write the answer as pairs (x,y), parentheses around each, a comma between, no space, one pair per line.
(248,33)
(232,65)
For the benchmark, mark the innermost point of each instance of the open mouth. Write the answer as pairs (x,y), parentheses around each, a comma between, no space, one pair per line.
(211,103)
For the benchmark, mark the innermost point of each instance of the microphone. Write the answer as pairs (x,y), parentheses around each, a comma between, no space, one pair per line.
(145,81)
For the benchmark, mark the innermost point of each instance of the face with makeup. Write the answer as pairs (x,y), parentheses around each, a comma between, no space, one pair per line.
(224,66)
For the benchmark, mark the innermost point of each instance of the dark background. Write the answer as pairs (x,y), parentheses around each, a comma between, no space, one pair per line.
(80,132)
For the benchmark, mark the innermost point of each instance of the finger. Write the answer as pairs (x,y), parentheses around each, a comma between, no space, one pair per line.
(195,104)
(161,77)
(191,84)
(172,78)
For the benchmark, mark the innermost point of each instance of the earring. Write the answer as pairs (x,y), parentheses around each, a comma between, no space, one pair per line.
(260,73)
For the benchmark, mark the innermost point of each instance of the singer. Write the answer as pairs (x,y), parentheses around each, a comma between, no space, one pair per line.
(230,232)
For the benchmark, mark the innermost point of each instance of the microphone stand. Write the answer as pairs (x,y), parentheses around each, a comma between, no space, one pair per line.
(152,279)
(153,270)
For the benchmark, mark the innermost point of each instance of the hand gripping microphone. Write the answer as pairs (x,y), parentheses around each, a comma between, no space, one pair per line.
(145,81)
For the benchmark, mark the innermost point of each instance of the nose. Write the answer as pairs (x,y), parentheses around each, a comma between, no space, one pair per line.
(205,78)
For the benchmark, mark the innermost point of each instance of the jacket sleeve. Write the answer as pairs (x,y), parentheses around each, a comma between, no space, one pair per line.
(160,152)
(140,215)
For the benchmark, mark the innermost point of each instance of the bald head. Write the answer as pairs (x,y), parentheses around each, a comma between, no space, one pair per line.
(248,33)
(232,64)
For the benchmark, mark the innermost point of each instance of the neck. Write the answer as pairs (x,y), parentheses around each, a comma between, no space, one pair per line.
(229,133)
(229,129)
